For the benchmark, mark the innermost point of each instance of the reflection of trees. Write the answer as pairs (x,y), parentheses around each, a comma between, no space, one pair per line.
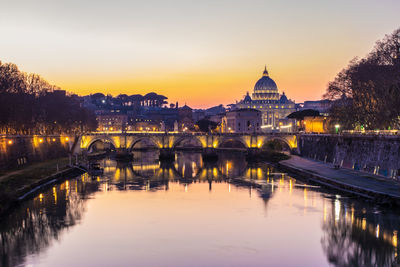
(364,239)
(34,225)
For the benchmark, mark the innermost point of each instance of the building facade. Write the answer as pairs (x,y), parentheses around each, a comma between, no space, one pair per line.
(274,107)
(246,120)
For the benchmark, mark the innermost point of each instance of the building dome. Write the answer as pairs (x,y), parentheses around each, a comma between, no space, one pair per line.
(265,83)
(247,98)
(265,88)
(283,98)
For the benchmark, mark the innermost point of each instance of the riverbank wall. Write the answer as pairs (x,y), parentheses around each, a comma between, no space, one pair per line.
(18,151)
(13,198)
(348,188)
(374,154)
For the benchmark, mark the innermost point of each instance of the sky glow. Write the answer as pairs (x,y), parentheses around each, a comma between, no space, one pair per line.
(203,53)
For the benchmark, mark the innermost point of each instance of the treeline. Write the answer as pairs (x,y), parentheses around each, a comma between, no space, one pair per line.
(366,93)
(30,105)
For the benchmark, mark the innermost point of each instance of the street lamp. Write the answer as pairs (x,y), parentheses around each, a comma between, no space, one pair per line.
(337,126)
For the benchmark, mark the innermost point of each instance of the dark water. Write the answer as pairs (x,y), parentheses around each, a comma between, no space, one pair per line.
(192,214)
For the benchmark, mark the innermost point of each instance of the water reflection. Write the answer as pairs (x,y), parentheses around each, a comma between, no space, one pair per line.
(36,223)
(352,233)
(360,235)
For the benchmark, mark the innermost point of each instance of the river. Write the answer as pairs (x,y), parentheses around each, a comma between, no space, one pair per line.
(189,213)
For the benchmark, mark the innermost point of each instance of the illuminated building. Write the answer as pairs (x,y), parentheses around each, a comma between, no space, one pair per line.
(273,106)
(244,120)
(111,121)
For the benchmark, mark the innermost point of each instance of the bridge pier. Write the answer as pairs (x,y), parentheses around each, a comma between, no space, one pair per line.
(253,153)
(123,154)
(166,154)
(209,154)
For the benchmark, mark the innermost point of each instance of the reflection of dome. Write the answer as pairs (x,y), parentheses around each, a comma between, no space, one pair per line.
(265,83)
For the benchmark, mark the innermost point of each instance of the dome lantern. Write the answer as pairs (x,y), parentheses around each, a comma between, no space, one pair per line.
(265,73)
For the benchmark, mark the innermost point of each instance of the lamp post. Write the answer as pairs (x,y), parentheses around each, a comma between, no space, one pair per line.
(337,126)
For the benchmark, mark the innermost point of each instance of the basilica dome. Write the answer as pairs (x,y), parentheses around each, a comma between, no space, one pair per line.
(265,88)
(265,83)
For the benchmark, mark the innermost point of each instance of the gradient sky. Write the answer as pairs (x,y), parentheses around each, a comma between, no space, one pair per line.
(199,52)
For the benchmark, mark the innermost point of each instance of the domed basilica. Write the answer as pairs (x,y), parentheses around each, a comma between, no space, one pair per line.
(273,106)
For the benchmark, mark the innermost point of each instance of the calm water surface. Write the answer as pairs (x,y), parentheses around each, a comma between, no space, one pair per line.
(192,214)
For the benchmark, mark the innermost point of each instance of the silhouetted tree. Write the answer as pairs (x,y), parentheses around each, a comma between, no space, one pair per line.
(30,105)
(367,92)
(206,125)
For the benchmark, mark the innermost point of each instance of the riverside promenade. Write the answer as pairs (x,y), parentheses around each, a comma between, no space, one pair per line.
(380,189)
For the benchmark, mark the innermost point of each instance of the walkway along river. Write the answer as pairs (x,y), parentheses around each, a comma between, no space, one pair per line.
(188,213)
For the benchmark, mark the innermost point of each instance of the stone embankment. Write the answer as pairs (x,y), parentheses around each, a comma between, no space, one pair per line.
(375,154)
(18,151)
(366,185)
(11,198)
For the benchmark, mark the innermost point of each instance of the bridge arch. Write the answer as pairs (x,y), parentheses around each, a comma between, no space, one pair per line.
(288,143)
(152,143)
(189,138)
(232,142)
(101,139)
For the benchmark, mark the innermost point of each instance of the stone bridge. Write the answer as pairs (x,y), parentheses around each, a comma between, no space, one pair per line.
(130,141)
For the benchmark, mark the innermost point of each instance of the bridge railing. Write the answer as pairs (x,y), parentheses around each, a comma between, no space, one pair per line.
(187,133)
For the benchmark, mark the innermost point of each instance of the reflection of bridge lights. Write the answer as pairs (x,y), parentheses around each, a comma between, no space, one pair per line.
(394,239)
(67,139)
(337,209)
(193,169)
(377,231)
(53,139)
(148,185)
(10,142)
(305,197)
(55,195)
(227,168)
(364,224)
(40,197)
(40,140)
(259,173)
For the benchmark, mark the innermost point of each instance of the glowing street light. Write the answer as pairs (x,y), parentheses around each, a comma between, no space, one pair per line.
(10,142)
(337,126)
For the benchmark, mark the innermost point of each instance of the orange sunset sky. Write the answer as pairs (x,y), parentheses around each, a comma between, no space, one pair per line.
(202,53)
